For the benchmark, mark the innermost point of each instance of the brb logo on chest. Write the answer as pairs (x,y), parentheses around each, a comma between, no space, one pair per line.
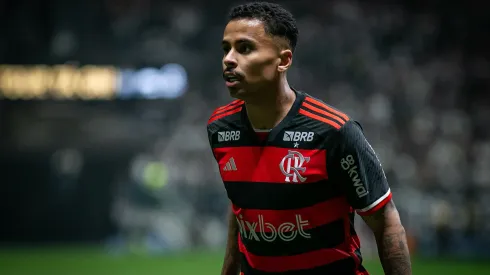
(228,136)
(292,166)
(286,231)
(298,136)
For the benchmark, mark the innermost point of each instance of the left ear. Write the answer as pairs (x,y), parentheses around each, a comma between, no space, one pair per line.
(286,59)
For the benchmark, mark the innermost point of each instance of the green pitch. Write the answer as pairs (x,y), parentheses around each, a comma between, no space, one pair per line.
(94,262)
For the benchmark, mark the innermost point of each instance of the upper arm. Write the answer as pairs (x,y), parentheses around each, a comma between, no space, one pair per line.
(358,171)
(385,217)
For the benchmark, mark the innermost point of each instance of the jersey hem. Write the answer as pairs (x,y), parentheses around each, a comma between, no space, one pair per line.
(375,206)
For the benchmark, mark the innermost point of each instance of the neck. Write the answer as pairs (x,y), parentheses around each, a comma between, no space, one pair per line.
(267,112)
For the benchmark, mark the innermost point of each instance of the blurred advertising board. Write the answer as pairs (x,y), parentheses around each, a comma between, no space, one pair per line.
(90,82)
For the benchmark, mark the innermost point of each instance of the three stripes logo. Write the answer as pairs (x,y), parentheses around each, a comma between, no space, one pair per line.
(320,111)
(227,110)
(230,165)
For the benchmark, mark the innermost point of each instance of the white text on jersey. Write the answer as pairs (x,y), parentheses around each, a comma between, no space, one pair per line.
(287,231)
(298,136)
(348,164)
(228,136)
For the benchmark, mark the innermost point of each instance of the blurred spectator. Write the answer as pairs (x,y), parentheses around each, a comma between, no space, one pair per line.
(416,76)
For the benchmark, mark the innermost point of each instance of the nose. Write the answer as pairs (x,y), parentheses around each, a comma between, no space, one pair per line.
(229,60)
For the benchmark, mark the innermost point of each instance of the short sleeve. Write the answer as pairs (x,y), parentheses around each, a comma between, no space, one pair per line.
(356,168)
(211,130)
(210,136)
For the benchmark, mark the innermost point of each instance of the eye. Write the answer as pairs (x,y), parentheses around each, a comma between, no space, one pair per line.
(244,48)
(226,49)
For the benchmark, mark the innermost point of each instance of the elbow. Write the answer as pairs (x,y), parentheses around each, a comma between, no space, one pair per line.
(393,229)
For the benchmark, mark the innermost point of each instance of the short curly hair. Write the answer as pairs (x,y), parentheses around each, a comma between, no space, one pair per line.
(277,20)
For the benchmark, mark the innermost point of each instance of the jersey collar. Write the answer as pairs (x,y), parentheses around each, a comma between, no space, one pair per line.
(286,121)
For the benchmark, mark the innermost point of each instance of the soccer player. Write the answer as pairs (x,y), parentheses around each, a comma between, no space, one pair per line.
(295,169)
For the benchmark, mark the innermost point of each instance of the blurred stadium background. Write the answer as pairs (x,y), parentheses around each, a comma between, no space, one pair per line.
(104,161)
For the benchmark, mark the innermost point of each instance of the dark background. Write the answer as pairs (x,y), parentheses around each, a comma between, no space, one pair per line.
(134,167)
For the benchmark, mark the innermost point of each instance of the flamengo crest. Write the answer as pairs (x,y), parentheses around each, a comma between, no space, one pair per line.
(292,166)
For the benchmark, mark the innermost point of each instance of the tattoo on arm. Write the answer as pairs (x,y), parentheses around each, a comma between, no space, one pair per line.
(391,240)
(394,255)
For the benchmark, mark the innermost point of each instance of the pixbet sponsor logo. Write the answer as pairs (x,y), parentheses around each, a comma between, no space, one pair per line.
(264,231)
(349,164)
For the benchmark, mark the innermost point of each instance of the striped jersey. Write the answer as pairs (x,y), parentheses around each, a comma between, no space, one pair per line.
(295,192)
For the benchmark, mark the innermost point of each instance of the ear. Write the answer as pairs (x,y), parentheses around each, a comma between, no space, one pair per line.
(286,59)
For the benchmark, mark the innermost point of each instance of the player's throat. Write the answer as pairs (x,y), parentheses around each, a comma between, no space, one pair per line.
(269,115)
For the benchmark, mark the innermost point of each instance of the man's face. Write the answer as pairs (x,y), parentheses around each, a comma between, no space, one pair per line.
(250,57)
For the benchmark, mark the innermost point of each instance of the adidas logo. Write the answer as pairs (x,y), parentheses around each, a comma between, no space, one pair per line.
(230,165)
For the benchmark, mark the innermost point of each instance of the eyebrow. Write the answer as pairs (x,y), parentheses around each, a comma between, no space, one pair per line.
(241,40)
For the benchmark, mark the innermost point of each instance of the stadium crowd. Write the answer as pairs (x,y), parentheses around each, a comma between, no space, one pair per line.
(416,77)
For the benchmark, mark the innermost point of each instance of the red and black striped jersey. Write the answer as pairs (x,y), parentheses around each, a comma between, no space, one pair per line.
(295,194)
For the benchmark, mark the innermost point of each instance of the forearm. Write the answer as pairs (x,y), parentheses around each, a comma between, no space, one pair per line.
(391,240)
(231,263)
(393,250)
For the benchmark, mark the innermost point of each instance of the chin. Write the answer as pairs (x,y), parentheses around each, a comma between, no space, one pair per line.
(237,93)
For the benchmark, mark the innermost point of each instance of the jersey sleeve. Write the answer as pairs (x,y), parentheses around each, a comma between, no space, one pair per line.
(358,171)
(210,136)
(211,131)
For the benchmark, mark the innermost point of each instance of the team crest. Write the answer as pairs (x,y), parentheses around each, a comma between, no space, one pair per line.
(292,166)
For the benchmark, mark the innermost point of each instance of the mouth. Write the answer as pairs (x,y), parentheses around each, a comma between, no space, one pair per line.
(231,79)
